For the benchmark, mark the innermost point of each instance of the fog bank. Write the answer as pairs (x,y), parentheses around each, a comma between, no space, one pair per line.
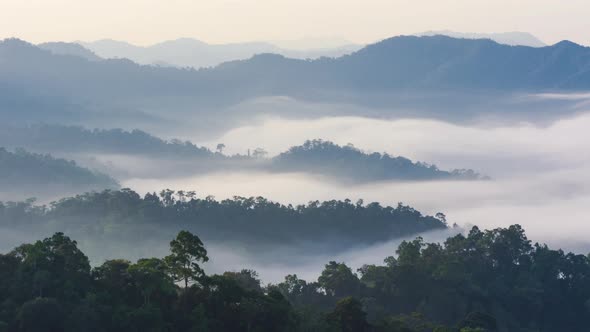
(493,150)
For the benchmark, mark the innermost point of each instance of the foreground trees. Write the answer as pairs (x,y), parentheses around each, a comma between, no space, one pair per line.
(494,280)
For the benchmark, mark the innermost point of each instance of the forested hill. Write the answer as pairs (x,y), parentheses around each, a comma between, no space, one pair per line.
(73,49)
(73,139)
(486,281)
(22,170)
(345,163)
(348,162)
(256,222)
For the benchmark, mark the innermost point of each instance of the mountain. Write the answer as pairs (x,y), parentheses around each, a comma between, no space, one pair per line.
(184,52)
(438,74)
(75,139)
(188,52)
(73,49)
(407,62)
(515,38)
(350,163)
(417,63)
(313,42)
(23,171)
(342,163)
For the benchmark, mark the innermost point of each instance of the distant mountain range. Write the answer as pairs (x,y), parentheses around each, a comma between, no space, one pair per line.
(508,38)
(406,62)
(384,73)
(74,49)
(188,52)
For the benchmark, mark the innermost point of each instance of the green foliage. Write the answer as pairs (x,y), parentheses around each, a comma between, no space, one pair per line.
(255,221)
(348,316)
(54,267)
(187,252)
(338,280)
(41,315)
(151,277)
(493,280)
(479,320)
(246,279)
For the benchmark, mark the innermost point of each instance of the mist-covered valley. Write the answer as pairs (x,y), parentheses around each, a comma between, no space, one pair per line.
(535,172)
(408,155)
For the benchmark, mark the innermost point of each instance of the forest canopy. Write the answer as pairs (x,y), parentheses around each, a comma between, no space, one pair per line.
(252,221)
(492,280)
(348,162)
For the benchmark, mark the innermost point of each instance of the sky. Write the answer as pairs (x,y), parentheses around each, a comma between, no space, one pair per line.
(146,22)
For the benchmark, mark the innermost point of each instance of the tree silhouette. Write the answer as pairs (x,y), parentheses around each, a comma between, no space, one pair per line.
(220,147)
(187,252)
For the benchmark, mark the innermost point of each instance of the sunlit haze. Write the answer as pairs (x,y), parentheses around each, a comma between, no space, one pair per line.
(150,21)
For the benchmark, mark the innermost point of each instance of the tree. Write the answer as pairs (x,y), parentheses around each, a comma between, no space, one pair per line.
(41,315)
(480,320)
(220,147)
(409,251)
(337,280)
(167,197)
(247,279)
(151,278)
(259,153)
(442,217)
(183,263)
(348,316)
(56,266)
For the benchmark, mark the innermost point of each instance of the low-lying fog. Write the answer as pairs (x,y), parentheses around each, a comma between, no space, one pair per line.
(505,150)
(540,179)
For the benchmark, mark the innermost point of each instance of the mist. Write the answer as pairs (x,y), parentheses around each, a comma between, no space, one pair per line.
(537,172)
(308,267)
(538,177)
(505,150)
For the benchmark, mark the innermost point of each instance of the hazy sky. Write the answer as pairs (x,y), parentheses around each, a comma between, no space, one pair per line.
(219,21)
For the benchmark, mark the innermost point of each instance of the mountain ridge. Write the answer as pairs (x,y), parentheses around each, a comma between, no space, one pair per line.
(380,74)
(190,52)
(513,38)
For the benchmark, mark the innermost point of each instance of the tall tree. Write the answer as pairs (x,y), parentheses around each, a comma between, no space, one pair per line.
(187,252)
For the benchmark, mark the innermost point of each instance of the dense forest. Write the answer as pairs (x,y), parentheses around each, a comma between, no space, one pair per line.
(21,169)
(344,163)
(122,215)
(493,280)
(60,138)
(348,162)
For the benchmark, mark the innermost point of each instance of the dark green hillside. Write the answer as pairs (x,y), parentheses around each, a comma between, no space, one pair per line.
(22,169)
